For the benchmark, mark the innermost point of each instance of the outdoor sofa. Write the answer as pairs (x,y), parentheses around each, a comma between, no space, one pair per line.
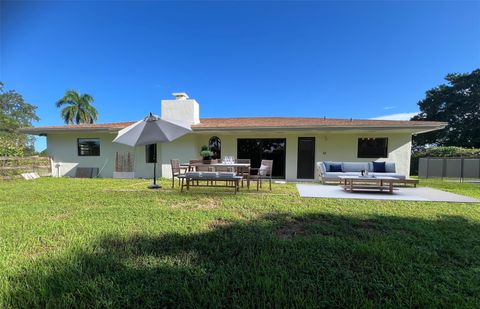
(328,170)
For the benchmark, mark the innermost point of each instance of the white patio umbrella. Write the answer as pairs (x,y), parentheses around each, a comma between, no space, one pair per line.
(152,130)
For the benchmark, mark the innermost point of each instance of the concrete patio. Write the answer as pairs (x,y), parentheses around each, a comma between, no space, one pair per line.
(399,194)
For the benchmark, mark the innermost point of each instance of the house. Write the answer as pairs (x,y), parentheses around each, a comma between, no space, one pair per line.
(294,143)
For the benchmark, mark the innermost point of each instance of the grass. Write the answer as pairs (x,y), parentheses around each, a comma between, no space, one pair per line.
(114,243)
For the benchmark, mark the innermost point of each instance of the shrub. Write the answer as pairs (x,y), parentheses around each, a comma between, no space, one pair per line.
(205,153)
(11,146)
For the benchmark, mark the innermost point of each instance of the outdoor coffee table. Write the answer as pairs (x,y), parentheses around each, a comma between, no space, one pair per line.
(366,183)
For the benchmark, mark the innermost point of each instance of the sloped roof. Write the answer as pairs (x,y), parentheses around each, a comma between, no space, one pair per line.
(302,122)
(249,123)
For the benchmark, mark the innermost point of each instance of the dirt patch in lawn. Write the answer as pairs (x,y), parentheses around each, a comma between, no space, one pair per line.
(375,228)
(124,190)
(209,203)
(200,203)
(369,226)
(62,216)
(294,228)
(219,223)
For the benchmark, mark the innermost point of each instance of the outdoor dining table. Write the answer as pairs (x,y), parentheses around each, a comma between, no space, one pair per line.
(235,166)
(190,166)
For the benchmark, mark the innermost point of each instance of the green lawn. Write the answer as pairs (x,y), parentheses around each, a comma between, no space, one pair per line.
(114,243)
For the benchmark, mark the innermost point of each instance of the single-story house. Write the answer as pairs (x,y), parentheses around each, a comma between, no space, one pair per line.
(294,143)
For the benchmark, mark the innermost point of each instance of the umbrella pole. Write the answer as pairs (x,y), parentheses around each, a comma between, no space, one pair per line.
(154,186)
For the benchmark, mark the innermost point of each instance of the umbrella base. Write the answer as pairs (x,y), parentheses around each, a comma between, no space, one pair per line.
(154,186)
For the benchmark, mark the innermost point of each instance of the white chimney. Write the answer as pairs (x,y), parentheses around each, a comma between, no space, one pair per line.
(180,95)
(182,109)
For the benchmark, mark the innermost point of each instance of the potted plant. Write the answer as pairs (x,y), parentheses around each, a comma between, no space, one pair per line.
(206,154)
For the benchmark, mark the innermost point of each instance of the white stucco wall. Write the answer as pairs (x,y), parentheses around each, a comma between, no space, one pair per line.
(328,146)
(63,148)
(343,147)
(337,146)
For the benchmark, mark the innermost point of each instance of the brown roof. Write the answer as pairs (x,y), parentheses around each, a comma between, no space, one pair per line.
(258,123)
(302,122)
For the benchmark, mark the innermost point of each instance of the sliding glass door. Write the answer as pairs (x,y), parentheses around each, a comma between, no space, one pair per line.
(258,149)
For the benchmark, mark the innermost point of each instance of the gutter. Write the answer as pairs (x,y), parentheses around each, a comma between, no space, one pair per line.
(418,129)
(42,131)
(303,128)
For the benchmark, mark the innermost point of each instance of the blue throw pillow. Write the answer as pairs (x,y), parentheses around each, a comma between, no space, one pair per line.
(379,167)
(335,168)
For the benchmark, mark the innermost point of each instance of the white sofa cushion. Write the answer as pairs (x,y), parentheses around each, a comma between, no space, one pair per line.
(390,167)
(355,166)
(336,174)
(226,174)
(321,167)
(193,174)
(209,175)
(354,169)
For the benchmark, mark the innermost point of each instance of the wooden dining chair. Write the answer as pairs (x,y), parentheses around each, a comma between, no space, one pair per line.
(176,170)
(263,172)
(244,171)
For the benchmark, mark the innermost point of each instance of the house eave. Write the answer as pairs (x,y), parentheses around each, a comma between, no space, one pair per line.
(413,129)
(45,131)
(418,129)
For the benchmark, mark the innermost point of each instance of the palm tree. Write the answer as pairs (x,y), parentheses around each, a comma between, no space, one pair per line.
(79,109)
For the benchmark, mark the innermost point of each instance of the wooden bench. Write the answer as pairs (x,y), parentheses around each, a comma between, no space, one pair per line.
(226,182)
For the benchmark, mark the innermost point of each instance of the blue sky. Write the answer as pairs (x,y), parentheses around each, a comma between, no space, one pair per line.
(334,59)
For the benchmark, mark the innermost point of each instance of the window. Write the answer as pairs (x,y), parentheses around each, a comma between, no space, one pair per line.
(372,147)
(215,145)
(151,153)
(88,147)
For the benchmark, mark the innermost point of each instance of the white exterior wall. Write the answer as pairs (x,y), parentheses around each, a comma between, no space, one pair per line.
(63,149)
(343,147)
(328,146)
(338,146)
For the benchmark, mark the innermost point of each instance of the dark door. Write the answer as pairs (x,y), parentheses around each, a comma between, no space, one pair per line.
(258,149)
(306,158)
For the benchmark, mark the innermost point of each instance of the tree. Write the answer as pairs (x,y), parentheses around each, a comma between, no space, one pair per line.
(78,108)
(458,104)
(15,113)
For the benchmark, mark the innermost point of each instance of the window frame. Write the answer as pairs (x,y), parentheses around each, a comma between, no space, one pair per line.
(90,152)
(384,153)
(219,148)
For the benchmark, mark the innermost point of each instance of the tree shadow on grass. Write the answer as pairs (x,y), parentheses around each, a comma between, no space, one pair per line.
(320,260)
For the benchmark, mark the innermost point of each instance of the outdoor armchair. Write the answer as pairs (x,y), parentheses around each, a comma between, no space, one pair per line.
(263,172)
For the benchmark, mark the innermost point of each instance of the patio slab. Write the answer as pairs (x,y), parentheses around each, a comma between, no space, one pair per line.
(400,194)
